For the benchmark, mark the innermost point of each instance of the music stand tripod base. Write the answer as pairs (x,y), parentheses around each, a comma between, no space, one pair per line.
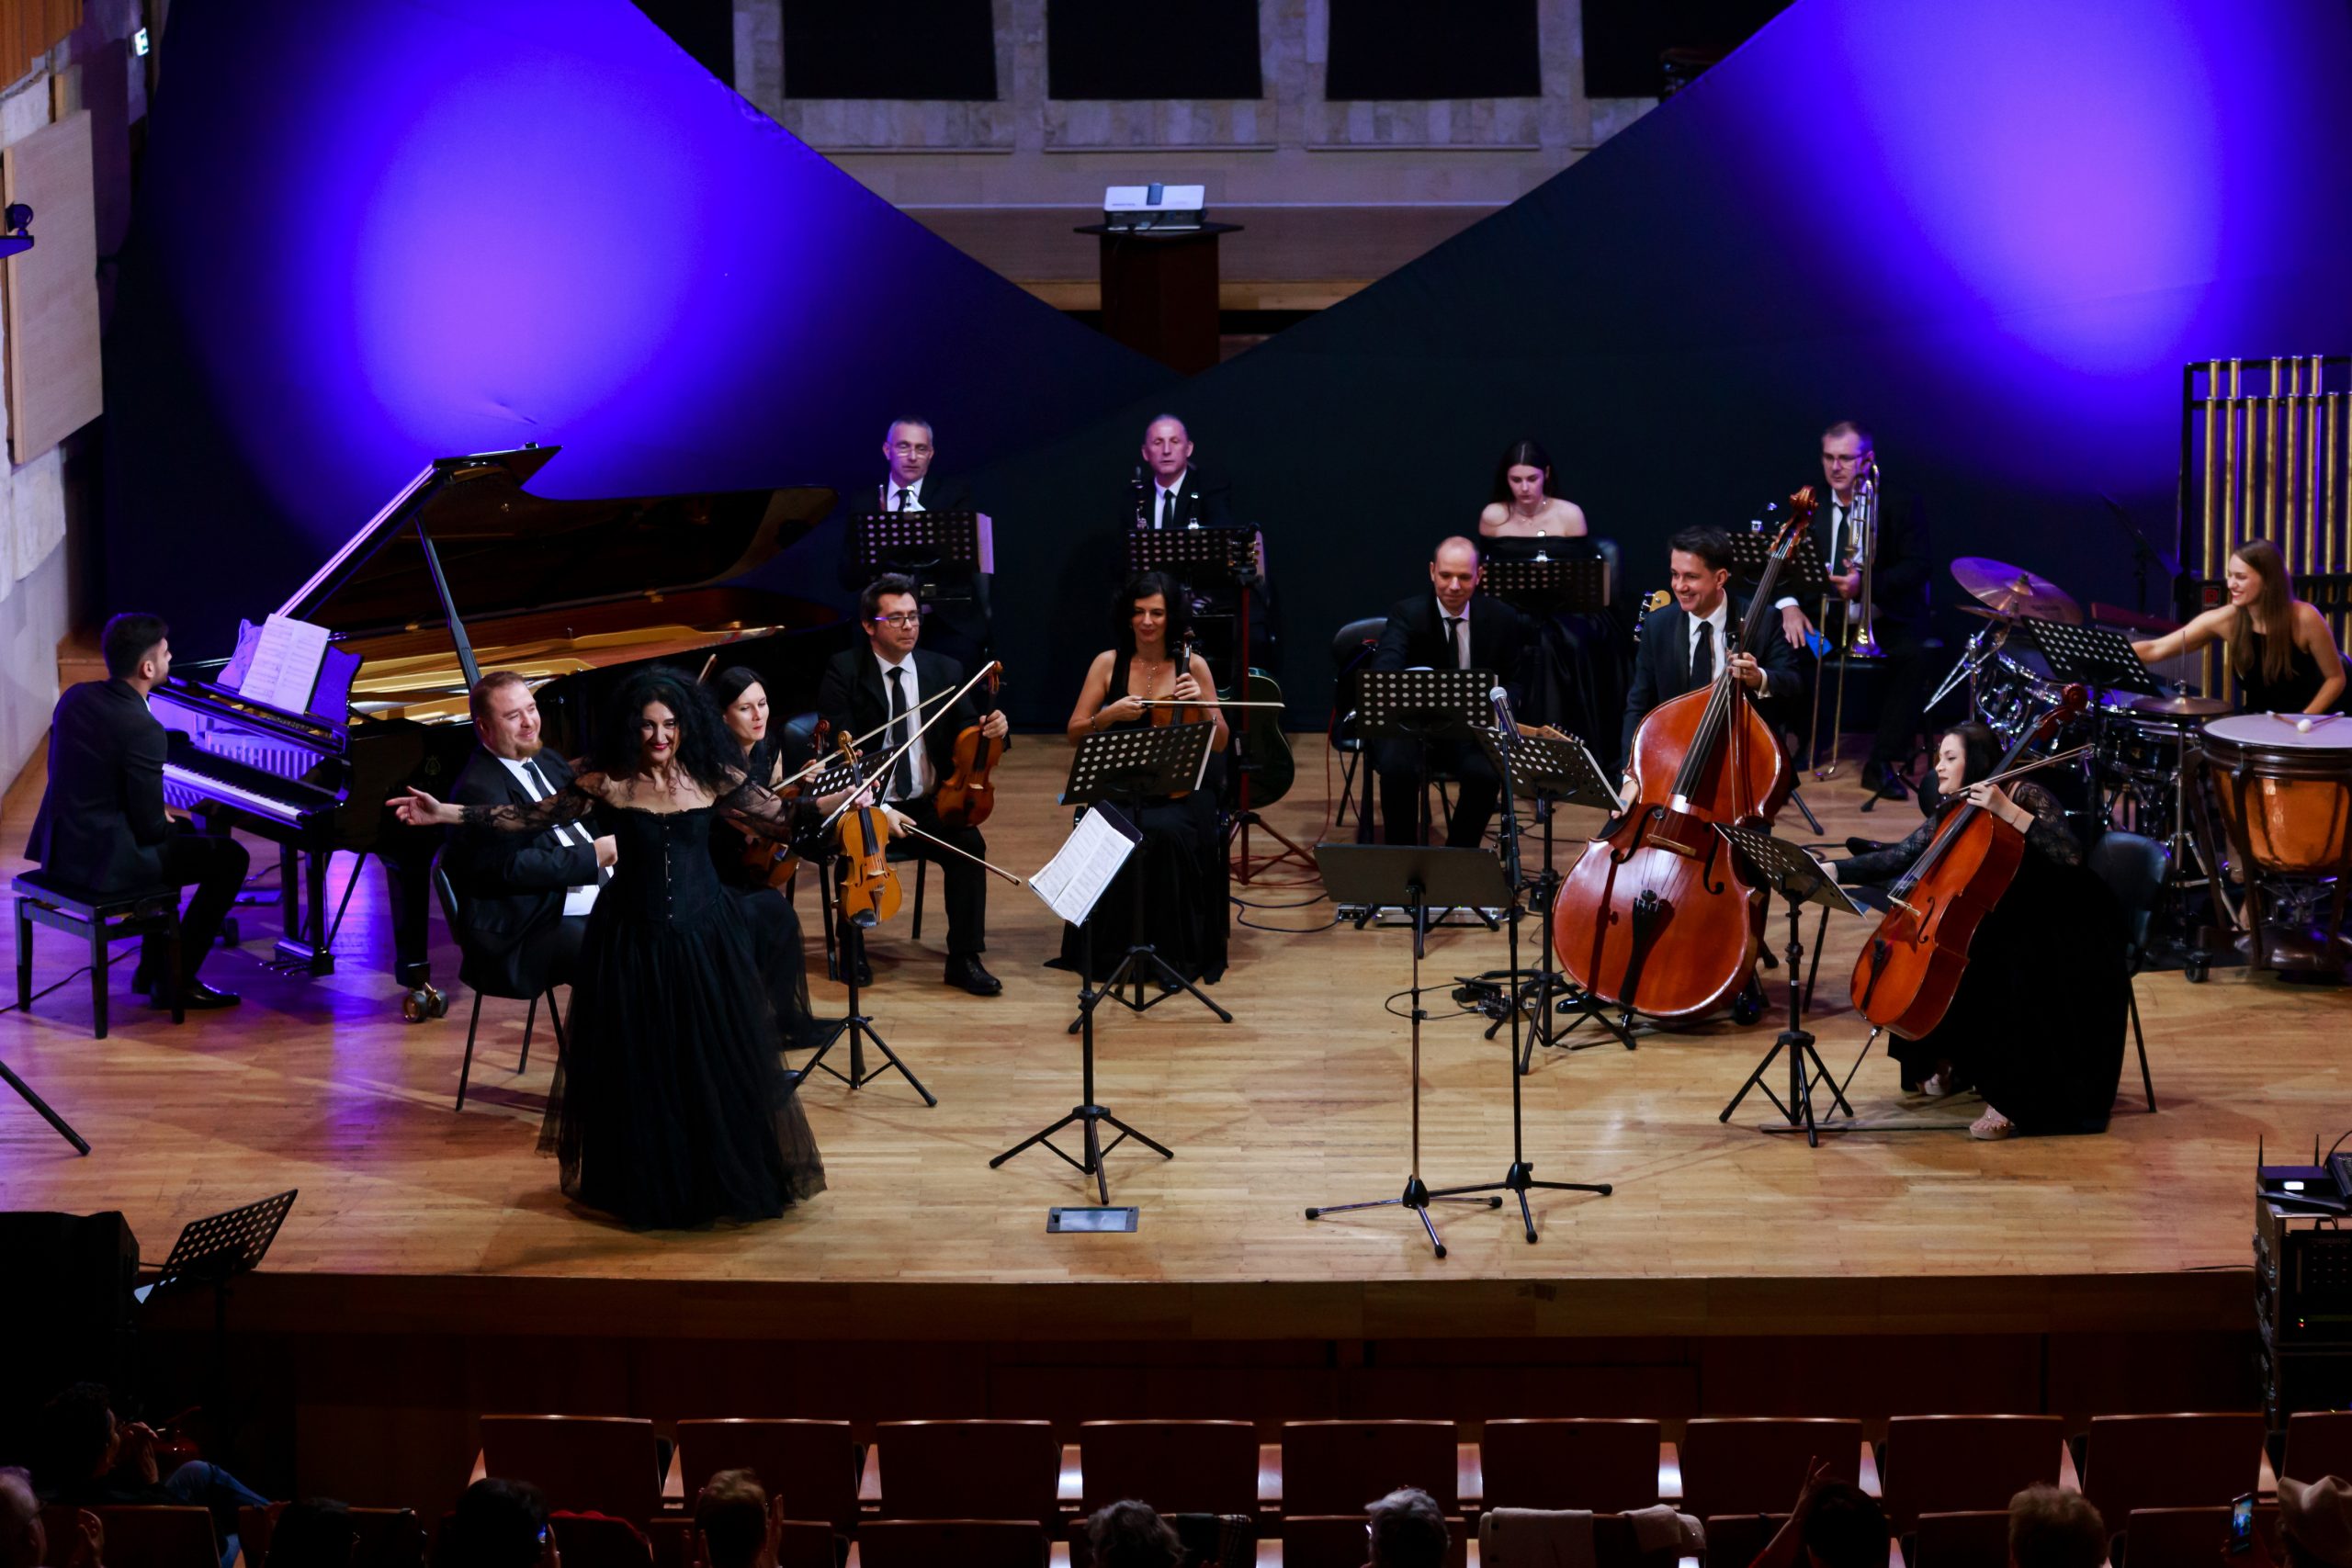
(1798,879)
(855,1026)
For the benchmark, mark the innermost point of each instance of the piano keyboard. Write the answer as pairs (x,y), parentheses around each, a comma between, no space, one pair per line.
(191,776)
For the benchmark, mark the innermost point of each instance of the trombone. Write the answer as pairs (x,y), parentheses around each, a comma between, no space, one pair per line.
(1859,639)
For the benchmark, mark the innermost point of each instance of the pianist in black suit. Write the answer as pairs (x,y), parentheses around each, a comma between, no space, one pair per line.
(1683,643)
(527,895)
(1452,627)
(102,822)
(956,626)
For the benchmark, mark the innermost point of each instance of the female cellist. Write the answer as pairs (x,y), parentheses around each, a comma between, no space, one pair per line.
(1183,856)
(2036,1023)
(2279,647)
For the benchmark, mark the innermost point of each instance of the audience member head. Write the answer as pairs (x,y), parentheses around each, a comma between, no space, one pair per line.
(661,720)
(1524,475)
(732,1515)
(906,447)
(314,1532)
(137,648)
(2315,1522)
(892,615)
(1150,612)
(742,700)
(73,1439)
(1408,1530)
(506,715)
(1167,448)
(1454,572)
(1964,754)
(497,1524)
(1698,563)
(1845,455)
(1844,1529)
(2050,1528)
(1132,1535)
(22,1543)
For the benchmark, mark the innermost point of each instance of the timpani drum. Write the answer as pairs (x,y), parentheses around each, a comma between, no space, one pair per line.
(2284,793)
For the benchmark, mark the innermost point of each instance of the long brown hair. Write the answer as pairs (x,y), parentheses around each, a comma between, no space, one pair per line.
(2274,606)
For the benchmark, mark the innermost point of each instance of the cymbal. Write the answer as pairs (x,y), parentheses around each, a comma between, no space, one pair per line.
(2014,591)
(2184,706)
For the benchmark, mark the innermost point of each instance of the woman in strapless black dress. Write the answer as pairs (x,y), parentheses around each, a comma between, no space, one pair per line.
(1583,661)
(2279,647)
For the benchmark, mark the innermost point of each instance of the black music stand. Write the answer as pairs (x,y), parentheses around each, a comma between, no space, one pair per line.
(1799,878)
(208,1253)
(920,544)
(2090,656)
(1422,706)
(64,1128)
(1541,588)
(854,1025)
(1802,574)
(1415,876)
(1123,766)
(1086,1113)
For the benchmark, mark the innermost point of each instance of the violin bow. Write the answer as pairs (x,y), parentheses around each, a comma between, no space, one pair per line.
(986,865)
(884,767)
(832,759)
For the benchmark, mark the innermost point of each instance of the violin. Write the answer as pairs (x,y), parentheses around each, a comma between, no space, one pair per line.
(1907,972)
(775,863)
(1655,915)
(965,795)
(870,888)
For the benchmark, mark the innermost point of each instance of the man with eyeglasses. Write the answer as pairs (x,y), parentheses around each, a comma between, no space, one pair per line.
(883,685)
(1898,595)
(959,623)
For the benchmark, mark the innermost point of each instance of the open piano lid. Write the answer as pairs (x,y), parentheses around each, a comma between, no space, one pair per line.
(504,549)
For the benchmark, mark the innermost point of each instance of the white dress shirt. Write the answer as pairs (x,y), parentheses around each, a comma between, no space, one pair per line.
(1719,618)
(577,901)
(1161,499)
(1461,647)
(891,489)
(918,756)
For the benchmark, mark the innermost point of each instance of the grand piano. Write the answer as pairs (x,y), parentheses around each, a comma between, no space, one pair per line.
(464,570)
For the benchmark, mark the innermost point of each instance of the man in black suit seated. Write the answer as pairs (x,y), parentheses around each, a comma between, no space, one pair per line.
(883,683)
(527,895)
(1452,627)
(1179,495)
(1683,643)
(103,824)
(959,628)
(1898,596)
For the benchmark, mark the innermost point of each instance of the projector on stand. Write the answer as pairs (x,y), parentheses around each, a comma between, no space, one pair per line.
(1136,208)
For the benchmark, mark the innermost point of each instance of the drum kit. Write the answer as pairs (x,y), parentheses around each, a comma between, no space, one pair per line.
(2274,791)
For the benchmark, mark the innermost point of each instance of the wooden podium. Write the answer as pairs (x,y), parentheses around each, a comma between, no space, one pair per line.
(1159,291)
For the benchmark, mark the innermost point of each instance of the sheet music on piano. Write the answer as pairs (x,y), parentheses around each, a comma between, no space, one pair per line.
(284,670)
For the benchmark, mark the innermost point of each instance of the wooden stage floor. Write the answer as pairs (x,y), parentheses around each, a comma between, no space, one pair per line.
(413,1216)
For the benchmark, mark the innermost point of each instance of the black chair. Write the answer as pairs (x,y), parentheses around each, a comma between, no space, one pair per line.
(100,919)
(452,911)
(796,743)
(2133,869)
(1351,647)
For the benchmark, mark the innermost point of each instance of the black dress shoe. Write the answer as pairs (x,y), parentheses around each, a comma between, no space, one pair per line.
(197,997)
(967,973)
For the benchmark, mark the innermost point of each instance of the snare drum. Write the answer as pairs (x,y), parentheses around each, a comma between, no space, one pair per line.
(2134,745)
(2011,697)
(2284,795)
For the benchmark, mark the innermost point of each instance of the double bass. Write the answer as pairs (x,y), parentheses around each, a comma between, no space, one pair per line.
(1655,915)
(1907,972)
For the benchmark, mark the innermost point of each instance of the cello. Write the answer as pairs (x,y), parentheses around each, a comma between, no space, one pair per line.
(1907,972)
(1656,914)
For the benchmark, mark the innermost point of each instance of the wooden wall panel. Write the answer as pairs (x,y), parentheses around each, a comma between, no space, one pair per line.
(52,291)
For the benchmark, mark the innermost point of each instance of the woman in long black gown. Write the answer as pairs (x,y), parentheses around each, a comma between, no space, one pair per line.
(743,702)
(2036,1024)
(2279,647)
(1582,662)
(671,1106)
(1181,859)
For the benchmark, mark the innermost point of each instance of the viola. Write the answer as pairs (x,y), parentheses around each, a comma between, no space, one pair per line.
(870,888)
(1909,969)
(965,795)
(1655,915)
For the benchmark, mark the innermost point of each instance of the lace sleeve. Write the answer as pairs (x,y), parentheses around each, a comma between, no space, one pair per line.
(2050,833)
(757,809)
(1886,864)
(568,805)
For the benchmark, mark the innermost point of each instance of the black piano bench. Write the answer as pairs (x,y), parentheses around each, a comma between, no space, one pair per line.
(100,919)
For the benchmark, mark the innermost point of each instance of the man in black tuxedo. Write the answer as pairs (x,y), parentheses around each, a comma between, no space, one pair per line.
(1898,595)
(1683,643)
(883,683)
(1178,495)
(103,823)
(959,626)
(527,895)
(1452,627)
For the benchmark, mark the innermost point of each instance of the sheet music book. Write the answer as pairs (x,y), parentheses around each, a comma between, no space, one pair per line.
(1082,868)
(285,667)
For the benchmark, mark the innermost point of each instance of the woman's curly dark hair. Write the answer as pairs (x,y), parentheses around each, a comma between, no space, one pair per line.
(707,752)
(1143,585)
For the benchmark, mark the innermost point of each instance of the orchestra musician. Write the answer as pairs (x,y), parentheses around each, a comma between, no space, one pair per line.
(1898,566)
(103,825)
(1179,495)
(2036,1023)
(958,627)
(1450,626)
(527,896)
(2277,646)
(1577,667)
(1682,642)
(883,683)
(1182,858)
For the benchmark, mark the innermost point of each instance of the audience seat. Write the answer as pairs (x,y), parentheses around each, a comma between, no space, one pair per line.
(1609,1467)
(2319,1442)
(598,1540)
(604,1464)
(1976,1539)
(1735,1539)
(1614,1544)
(1177,1467)
(1743,1464)
(158,1538)
(966,1543)
(1339,1541)
(388,1537)
(63,1527)
(2169,1461)
(969,1470)
(812,1465)
(1950,1464)
(2190,1538)
(1332,1468)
